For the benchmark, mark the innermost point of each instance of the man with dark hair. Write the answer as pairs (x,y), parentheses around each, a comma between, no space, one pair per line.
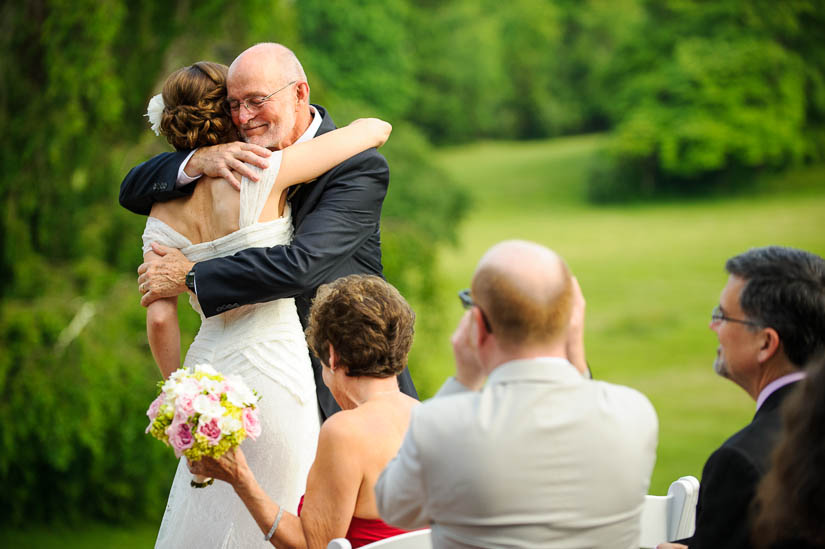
(770,322)
(539,455)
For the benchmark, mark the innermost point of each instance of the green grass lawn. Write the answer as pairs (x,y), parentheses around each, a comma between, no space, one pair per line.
(86,536)
(651,273)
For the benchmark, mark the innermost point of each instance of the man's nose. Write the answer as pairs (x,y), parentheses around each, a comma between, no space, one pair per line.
(244,114)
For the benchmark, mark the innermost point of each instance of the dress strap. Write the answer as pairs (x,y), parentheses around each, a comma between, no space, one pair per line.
(158,231)
(254,195)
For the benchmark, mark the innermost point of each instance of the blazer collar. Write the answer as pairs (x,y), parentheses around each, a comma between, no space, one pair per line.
(327,124)
(773,402)
(546,369)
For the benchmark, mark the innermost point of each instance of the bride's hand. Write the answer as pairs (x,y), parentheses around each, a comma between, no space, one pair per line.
(380,129)
(231,467)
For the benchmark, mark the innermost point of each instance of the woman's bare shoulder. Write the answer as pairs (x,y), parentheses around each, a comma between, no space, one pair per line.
(369,419)
(342,425)
(170,211)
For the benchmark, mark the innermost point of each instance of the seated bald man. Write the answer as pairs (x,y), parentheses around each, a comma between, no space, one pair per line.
(538,455)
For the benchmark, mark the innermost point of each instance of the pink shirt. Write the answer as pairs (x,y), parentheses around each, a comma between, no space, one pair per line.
(776,384)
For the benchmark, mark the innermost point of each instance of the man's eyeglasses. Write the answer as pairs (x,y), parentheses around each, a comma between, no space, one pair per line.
(468,303)
(254,104)
(717,316)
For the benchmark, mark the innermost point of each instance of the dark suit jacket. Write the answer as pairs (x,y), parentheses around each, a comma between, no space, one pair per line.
(337,233)
(730,477)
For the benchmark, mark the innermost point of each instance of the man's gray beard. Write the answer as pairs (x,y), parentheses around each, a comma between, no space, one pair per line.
(720,367)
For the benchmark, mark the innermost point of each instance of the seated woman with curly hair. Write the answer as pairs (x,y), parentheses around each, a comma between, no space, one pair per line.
(361,329)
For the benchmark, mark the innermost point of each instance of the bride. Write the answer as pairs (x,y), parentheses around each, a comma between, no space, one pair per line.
(264,343)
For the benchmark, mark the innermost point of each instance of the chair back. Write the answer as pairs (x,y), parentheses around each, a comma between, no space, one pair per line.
(670,517)
(420,539)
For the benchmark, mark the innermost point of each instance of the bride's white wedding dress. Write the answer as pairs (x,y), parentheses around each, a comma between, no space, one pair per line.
(264,343)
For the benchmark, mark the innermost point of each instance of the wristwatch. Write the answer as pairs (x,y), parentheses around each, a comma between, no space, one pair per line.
(190,280)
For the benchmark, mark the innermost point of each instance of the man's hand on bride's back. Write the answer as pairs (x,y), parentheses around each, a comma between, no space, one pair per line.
(229,161)
(381,130)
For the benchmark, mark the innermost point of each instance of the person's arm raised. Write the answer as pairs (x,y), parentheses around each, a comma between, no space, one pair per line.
(156,180)
(305,161)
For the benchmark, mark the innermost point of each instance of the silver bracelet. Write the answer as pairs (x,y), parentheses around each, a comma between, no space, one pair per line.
(280,514)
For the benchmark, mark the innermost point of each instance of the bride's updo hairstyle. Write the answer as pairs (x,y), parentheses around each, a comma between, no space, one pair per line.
(195,112)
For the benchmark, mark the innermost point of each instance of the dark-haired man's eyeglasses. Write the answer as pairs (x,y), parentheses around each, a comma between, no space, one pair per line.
(468,303)
(717,316)
(254,104)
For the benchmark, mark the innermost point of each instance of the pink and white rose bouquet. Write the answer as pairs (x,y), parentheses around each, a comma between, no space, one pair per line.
(199,412)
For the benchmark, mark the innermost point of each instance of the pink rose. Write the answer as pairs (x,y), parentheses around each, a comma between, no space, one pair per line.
(154,408)
(180,437)
(211,431)
(183,404)
(251,424)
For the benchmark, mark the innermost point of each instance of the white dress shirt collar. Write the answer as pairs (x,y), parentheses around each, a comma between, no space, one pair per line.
(313,126)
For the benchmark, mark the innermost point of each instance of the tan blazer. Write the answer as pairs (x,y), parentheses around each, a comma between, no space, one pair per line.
(540,457)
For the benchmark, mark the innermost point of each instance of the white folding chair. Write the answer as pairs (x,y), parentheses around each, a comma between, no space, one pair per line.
(670,517)
(420,539)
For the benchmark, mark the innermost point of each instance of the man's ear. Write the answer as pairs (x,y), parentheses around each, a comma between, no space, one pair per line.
(302,92)
(479,332)
(332,359)
(770,344)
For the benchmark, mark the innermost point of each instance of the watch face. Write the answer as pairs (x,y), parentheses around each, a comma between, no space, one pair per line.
(190,280)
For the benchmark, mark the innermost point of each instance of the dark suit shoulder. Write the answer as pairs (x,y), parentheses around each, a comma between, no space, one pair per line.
(154,180)
(757,439)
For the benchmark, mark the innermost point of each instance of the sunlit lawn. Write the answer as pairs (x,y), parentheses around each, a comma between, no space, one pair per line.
(651,274)
(86,536)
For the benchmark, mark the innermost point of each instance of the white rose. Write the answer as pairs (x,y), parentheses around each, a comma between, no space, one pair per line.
(211,386)
(207,407)
(239,394)
(229,424)
(188,386)
(206,369)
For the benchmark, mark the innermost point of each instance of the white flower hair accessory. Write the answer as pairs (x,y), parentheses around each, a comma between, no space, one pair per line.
(154,111)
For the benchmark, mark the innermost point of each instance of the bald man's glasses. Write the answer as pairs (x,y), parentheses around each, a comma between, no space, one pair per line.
(254,104)
(468,303)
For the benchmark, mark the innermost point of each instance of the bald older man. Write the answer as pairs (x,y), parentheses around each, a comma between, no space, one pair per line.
(336,217)
(539,455)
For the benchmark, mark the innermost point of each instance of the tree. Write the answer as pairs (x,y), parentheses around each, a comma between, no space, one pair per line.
(704,90)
